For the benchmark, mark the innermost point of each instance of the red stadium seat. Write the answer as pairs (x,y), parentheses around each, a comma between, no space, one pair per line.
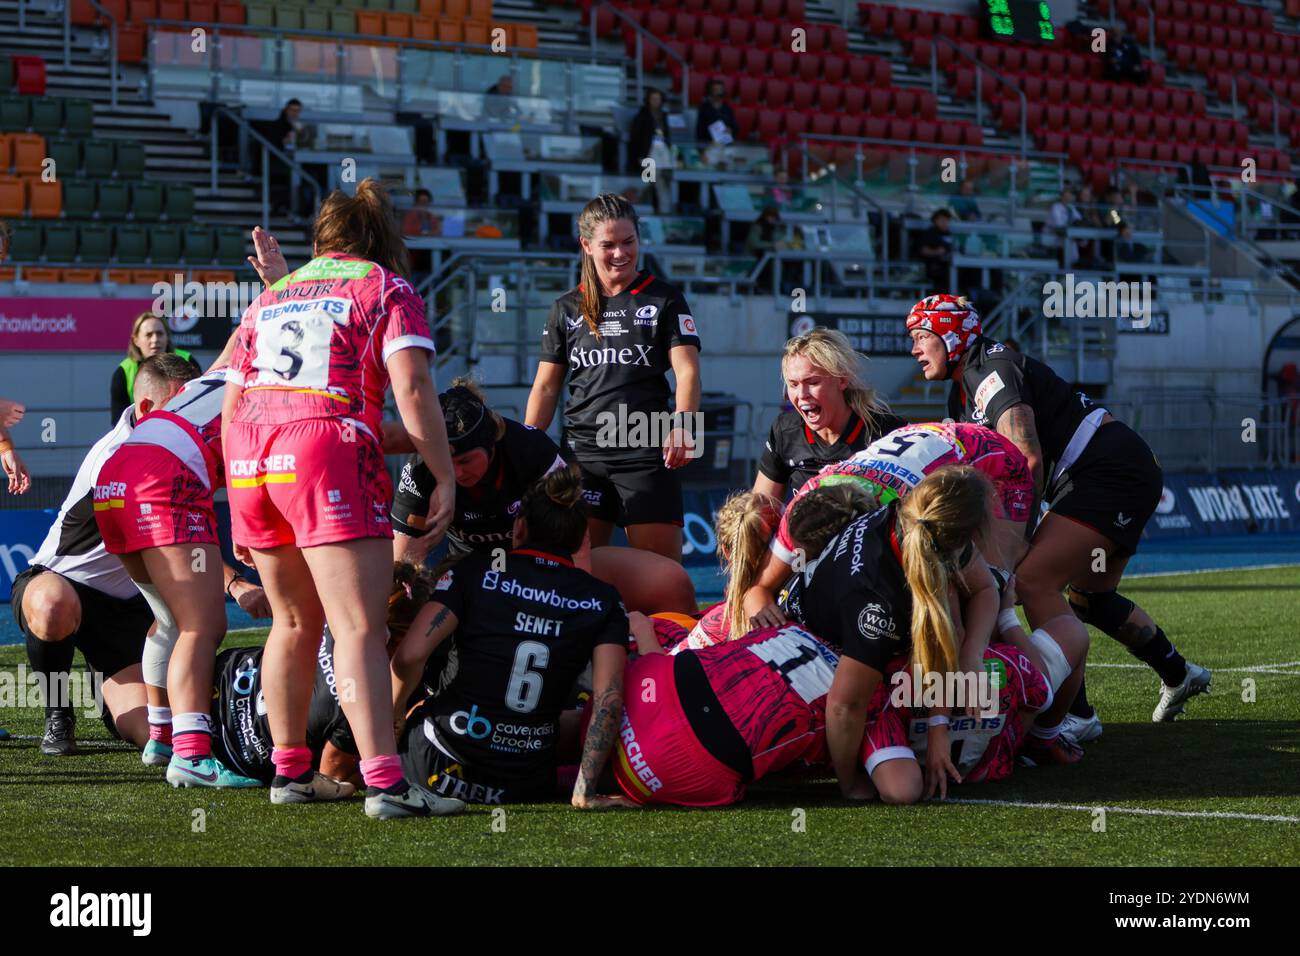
(879,102)
(749,90)
(777,93)
(861,70)
(1076,92)
(1077,119)
(711,28)
(1054,142)
(801,95)
(848,125)
(833,68)
(796,123)
(1055,117)
(764,35)
(781,63)
(1054,90)
(1141,123)
(904,102)
(808,67)
(1182,129)
(1143,149)
(854,99)
(1162,126)
(1099,122)
(769,125)
(730,60)
(900,128)
(745,118)
(738,31)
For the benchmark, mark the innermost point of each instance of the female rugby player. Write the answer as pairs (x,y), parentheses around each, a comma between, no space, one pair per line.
(1097,477)
(309,495)
(892,466)
(496,459)
(615,337)
(835,412)
(524,630)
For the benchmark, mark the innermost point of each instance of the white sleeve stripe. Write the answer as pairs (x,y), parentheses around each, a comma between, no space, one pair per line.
(781,551)
(234,377)
(408,342)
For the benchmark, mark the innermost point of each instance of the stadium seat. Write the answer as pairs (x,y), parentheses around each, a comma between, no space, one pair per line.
(13,197)
(262,14)
(129,160)
(769,125)
(60,242)
(780,63)
(66,153)
(94,242)
(230,11)
(290,18)
(29,75)
(112,200)
(776,93)
(138,11)
(472,31)
(78,198)
(317,19)
(397,25)
(179,203)
(97,158)
(854,99)
(200,243)
(25,239)
(231,245)
(146,201)
(833,68)
(449,31)
(201,11)
(28,152)
(46,115)
(849,125)
(830,98)
(745,119)
(44,199)
(801,95)
(764,34)
(165,244)
(130,243)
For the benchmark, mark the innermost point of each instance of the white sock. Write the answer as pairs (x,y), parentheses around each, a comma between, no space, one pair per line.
(191,724)
(1044,733)
(159,716)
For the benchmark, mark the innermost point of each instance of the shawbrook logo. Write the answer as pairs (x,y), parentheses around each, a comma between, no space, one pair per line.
(1086,299)
(76,909)
(29,688)
(634,429)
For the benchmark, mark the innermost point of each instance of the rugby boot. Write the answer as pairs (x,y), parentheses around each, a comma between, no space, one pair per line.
(205,772)
(1174,699)
(414,802)
(312,787)
(60,739)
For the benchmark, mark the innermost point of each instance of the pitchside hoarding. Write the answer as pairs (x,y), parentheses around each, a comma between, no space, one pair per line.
(58,324)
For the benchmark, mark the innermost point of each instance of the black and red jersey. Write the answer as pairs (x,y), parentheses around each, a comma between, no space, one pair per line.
(795,452)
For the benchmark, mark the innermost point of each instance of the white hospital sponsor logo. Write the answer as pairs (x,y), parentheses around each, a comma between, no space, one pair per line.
(635,355)
(1089,299)
(635,429)
(1233,502)
(69,689)
(874,622)
(249,467)
(960,690)
(75,909)
(493,581)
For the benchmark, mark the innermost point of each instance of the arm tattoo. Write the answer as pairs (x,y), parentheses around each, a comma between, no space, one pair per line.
(438,618)
(1020,426)
(607,713)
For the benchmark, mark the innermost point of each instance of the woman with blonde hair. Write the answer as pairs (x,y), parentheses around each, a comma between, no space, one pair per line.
(309,494)
(149,336)
(836,413)
(615,338)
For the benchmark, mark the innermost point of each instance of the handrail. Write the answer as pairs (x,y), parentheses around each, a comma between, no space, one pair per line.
(112,44)
(979,87)
(267,148)
(856,192)
(641,34)
(1151,26)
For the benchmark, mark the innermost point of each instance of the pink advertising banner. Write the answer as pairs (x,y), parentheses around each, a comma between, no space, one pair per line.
(68,324)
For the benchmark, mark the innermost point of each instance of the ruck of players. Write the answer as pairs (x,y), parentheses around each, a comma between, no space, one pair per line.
(904,609)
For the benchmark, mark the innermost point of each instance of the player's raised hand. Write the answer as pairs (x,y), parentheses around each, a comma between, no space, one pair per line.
(269,260)
(11,413)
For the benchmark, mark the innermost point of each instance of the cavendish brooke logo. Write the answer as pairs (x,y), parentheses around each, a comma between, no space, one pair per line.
(76,909)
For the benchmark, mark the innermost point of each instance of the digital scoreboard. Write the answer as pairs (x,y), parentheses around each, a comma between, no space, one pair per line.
(1019,19)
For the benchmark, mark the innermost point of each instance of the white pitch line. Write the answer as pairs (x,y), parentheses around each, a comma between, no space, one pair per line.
(1137,811)
(1254,669)
(1245,567)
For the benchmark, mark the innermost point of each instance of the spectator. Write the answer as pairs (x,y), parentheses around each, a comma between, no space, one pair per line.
(286,132)
(420,220)
(1090,217)
(964,205)
(1126,250)
(149,336)
(934,248)
(499,104)
(1124,58)
(1061,217)
(715,123)
(781,194)
(650,138)
(765,235)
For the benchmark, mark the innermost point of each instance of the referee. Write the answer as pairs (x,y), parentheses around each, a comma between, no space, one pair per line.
(615,337)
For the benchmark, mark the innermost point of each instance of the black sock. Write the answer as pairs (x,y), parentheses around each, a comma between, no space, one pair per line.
(305,777)
(396,789)
(1081,708)
(53,661)
(1163,658)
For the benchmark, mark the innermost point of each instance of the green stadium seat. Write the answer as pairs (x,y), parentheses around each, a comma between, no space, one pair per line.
(130,243)
(180,202)
(147,202)
(261,14)
(343,21)
(79,117)
(78,198)
(406,6)
(232,246)
(60,242)
(288,18)
(94,242)
(316,18)
(47,115)
(165,244)
(66,153)
(113,200)
(129,160)
(6,73)
(200,244)
(25,240)
(97,158)
(15,113)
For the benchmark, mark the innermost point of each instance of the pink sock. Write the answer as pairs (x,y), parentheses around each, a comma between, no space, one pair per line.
(162,733)
(192,746)
(382,772)
(291,762)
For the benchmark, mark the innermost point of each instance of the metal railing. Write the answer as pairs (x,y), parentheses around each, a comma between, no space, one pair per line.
(1151,25)
(112,43)
(642,35)
(979,86)
(269,149)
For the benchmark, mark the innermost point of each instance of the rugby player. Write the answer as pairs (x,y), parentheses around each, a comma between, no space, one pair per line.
(835,412)
(496,459)
(76,595)
(1096,476)
(309,494)
(892,466)
(525,627)
(616,336)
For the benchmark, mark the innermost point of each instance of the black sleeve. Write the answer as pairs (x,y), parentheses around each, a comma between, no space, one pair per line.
(885,424)
(340,736)
(703,119)
(995,387)
(771,464)
(553,344)
(677,324)
(118,399)
(868,628)
(411,500)
(536,453)
(453,589)
(615,629)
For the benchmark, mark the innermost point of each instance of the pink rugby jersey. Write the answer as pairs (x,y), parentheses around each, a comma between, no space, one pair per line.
(189,426)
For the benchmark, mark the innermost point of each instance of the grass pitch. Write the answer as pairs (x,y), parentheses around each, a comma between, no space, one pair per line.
(1221,786)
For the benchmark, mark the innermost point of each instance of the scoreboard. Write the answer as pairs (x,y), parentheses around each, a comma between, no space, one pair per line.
(1019,19)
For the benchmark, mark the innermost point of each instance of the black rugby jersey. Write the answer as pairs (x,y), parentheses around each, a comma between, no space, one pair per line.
(855,596)
(795,452)
(241,736)
(524,634)
(485,514)
(627,366)
(995,378)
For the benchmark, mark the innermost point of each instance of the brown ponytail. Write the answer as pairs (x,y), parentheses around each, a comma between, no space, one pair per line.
(552,507)
(818,516)
(744,525)
(364,226)
(412,588)
(937,521)
(608,207)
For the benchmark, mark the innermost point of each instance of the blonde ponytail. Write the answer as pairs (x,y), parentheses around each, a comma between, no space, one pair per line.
(744,525)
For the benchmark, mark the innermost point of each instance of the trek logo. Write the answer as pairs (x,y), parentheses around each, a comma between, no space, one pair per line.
(492,581)
(591,358)
(75,909)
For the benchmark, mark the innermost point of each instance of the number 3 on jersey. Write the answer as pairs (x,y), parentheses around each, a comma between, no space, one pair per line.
(293,341)
(525,687)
